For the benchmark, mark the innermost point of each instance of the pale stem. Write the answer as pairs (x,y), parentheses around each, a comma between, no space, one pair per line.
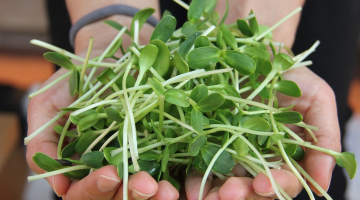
(56,172)
(83,70)
(62,137)
(111,138)
(97,140)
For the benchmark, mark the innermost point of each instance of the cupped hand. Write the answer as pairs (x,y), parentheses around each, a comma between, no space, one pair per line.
(318,107)
(103,183)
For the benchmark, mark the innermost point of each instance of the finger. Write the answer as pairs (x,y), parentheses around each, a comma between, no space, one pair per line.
(213,194)
(41,109)
(236,188)
(239,171)
(193,183)
(140,186)
(286,180)
(318,106)
(101,184)
(165,192)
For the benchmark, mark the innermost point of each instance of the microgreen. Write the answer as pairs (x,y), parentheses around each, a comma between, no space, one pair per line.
(184,101)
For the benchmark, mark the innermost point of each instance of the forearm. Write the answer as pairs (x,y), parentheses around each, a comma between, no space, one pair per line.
(101,32)
(267,12)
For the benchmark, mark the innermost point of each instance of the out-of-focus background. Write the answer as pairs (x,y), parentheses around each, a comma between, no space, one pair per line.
(22,69)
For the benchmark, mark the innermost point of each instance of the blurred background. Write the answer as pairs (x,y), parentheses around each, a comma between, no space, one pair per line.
(22,69)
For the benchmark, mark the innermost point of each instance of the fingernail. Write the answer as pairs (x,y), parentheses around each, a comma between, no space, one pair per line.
(140,196)
(266,194)
(106,184)
(53,182)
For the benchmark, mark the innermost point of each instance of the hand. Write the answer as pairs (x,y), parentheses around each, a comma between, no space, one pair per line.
(317,105)
(103,183)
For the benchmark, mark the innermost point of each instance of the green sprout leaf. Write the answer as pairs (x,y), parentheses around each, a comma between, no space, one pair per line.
(226,13)
(196,144)
(93,159)
(228,37)
(199,92)
(164,29)
(254,24)
(223,164)
(157,87)
(84,141)
(148,57)
(180,64)
(210,102)
(239,61)
(197,120)
(288,87)
(112,160)
(142,16)
(196,10)
(151,167)
(244,27)
(203,57)
(114,114)
(282,61)
(240,147)
(177,97)
(188,29)
(187,44)
(202,41)
(88,121)
(162,62)
(59,59)
(347,160)
(256,123)
(288,117)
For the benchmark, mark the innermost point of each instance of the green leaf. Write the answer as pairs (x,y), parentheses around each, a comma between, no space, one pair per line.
(210,6)
(202,41)
(239,61)
(203,57)
(197,120)
(223,164)
(263,28)
(226,13)
(254,24)
(69,150)
(196,144)
(180,64)
(276,137)
(187,44)
(120,170)
(199,163)
(289,88)
(299,153)
(199,92)
(88,121)
(114,114)
(157,87)
(93,159)
(142,16)
(164,29)
(282,61)
(116,25)
(240,147)
(210,102)
(260,54)
(162,62)
(59,59)
(220,41)
(195,10)
(148,56)
(256,123)
(115,47)
(290,149)
(74,82)
(149,156)
(244,27)
(165,158)
(48,164)
(177,97)
(265,67)
(151,167)
(84,141)
(228,37)
(188,29)
(347,160)
(288,117)
(113,160)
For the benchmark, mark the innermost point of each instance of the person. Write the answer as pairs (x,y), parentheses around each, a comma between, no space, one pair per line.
(317,104)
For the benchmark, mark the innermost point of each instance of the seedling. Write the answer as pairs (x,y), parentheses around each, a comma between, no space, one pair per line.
(184,101)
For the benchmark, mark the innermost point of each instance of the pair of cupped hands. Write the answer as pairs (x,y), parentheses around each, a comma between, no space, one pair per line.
(317,105)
